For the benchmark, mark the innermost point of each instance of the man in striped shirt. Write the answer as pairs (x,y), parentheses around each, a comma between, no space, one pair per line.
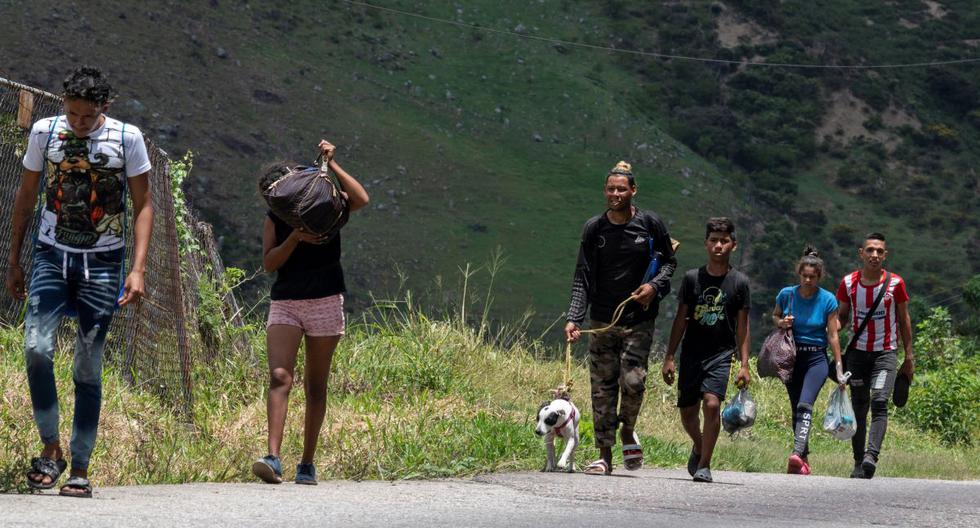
(872,356)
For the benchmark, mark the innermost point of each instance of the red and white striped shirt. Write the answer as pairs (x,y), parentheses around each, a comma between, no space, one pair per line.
(882,330)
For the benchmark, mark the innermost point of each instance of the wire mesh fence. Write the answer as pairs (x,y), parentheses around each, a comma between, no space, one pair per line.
(151,342)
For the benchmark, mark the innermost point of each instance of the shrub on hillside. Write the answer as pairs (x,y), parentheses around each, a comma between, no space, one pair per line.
(943,398)
(942,134)
(945,403)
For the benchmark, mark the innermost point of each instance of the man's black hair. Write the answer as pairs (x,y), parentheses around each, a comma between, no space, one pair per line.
(89,84)
(874,235)
(719,224)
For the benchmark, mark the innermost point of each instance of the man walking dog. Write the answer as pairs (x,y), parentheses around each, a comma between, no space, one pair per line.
(614,256)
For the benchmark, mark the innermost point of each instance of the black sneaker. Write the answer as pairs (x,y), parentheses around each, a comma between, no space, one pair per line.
(692,462)
(858,471)
(869,465)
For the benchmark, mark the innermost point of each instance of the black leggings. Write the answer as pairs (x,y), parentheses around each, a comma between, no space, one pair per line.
(809,375)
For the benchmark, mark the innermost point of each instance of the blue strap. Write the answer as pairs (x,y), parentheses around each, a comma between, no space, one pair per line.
(39,205)
(786,306)
(122,265)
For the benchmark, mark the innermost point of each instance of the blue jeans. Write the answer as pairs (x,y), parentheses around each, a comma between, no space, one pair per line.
(89,285)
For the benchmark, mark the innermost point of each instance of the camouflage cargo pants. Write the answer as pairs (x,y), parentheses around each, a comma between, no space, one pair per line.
(618,362)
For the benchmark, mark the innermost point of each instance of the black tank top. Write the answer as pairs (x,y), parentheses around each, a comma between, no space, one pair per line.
(312,270)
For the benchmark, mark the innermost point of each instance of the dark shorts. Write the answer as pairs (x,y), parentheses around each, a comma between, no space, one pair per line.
(698,375)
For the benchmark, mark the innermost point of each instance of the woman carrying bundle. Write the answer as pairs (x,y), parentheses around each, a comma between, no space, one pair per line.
(811,312)
(307,302)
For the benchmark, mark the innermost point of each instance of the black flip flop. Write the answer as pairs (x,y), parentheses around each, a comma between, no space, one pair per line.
(901,394)
(47,467)
(79,483)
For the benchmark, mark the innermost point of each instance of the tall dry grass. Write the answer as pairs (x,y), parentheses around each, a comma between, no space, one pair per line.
(410,397)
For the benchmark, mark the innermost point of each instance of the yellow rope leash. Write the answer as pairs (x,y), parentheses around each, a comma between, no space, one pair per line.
(566,388)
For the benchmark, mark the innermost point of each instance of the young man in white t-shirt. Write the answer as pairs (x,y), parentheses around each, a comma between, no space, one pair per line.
(872,356)
(88,161)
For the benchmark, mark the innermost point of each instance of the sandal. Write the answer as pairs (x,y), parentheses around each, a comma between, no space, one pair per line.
(599,467)
(46,467)
(77,483)
(692,462)
(633,455)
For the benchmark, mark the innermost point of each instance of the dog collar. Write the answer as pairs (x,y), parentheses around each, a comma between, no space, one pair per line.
(557,430)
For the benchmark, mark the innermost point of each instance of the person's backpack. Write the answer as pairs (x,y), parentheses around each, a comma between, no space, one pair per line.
(307,198)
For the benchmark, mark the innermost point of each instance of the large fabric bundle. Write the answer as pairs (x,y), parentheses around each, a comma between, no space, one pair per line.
(778,356)
(306,198)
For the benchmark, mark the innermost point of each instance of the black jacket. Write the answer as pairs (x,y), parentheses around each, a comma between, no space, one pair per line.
(586,272)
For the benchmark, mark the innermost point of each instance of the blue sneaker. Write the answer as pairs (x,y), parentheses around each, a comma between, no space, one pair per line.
(269,469)
(306,474)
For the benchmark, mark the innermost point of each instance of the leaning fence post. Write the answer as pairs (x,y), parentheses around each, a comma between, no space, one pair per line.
(25,109)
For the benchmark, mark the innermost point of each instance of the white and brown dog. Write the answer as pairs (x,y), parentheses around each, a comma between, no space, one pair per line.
(559,418)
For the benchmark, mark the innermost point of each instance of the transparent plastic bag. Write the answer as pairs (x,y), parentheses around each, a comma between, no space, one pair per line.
(739,413)
(840,421)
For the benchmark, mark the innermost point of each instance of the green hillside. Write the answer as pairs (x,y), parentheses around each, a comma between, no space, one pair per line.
(470,140)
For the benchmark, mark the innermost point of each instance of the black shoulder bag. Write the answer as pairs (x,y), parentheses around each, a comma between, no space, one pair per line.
(832,373)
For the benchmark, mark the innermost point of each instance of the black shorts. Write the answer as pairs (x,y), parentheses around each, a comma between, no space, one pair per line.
(698,375)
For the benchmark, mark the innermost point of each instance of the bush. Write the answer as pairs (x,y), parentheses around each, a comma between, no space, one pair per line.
(943,399)
(945,403)
(942,134)
(936,344)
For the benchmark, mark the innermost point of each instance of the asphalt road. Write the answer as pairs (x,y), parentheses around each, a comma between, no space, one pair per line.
(645,498)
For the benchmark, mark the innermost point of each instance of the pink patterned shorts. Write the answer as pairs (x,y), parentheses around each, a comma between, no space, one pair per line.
(317,317)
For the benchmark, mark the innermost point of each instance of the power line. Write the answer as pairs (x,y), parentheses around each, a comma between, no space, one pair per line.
(653,54)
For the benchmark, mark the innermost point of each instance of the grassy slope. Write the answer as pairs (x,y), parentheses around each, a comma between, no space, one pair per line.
(474,179)
(451,177)
(409,397)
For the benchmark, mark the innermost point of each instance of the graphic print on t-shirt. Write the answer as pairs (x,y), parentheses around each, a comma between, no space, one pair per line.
(713,303)
(85,194)
(710,308)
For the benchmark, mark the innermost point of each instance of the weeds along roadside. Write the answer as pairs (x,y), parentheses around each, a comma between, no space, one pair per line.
(411,396)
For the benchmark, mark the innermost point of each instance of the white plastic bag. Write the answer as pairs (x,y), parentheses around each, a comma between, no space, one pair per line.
(839,420)
(739,413)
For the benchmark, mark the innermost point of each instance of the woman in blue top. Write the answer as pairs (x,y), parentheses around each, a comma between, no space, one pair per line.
(811,312)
